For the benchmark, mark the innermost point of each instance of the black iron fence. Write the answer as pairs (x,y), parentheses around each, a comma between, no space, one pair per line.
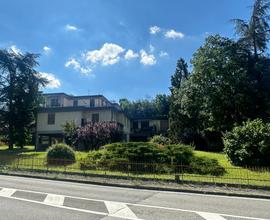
(146,171)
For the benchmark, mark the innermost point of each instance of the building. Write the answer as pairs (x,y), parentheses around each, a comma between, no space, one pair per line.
(142,129)
(59,108)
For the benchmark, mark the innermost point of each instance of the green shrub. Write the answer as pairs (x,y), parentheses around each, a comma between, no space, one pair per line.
(60,154)
(160,139)
(145,157)
(205,165)
(142,152)
(177,154)
(249,144)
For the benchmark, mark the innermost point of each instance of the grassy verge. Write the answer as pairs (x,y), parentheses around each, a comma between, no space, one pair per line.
(27,158)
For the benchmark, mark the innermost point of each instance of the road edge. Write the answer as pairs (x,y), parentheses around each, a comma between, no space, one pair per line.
(153,188)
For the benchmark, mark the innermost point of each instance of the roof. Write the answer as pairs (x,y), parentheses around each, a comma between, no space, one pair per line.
(77,97)
(160,117)
(72,96)
(76,108)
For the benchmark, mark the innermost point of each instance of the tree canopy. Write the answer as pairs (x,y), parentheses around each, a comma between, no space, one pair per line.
(229,82)
(19,95)
(146,108)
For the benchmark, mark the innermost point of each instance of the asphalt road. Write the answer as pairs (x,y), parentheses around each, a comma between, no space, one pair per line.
(28,198)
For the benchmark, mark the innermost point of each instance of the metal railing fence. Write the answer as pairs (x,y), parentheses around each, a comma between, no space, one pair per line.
(149,171)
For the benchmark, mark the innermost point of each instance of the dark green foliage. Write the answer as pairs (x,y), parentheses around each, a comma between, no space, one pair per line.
(70,133)
(255,33)
(181,73)
(205,165)
(149,157)
(160,139)
(60,154)
(146,108)
(134,151)
(218,94)
(249,144)
(19,95)
(177,154)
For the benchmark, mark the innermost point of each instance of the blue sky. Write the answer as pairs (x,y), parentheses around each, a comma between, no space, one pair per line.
(118,48)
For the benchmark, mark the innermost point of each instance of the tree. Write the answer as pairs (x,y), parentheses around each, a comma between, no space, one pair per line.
(146,108)
(180,74)
(255,33)
(70,133)
(19,95)
(162,103)
(218,93)
(180,125)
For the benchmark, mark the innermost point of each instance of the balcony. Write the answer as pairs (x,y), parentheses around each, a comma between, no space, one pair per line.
(145,130)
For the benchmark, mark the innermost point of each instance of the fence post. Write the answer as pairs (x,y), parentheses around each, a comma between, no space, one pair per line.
(182,171)
(32,165)
(247,177)
(18,161)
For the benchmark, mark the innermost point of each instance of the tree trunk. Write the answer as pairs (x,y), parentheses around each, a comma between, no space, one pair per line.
(10,137)
(11,110)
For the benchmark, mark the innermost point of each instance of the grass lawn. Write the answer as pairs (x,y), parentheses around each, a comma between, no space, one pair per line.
(233,174)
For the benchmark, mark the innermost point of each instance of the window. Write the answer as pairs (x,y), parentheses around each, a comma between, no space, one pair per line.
(145,124)
(54,102)
(95,118)
(51,119)
(92,102)
(83,122)
(135,125)
(75,103)
(44,140)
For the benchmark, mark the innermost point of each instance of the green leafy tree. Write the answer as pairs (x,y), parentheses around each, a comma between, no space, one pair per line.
(255,32)
(219,93)
(146,108)
(70,133)
(19,95)
(181,73)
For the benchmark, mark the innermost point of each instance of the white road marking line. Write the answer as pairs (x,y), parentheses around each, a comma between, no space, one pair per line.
(130,189)
(117,209)
(54,199)
(133,204)
(210,216)
(6,192)
(193,211)
(60,206)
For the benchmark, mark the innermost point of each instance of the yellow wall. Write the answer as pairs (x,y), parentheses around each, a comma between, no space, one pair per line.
(60,119)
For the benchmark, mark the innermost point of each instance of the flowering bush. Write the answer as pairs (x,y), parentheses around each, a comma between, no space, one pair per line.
(93,135)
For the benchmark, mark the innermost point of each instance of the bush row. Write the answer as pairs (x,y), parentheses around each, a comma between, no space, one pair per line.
(150,157)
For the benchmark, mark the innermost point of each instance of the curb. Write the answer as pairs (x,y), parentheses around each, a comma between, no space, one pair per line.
(156,188)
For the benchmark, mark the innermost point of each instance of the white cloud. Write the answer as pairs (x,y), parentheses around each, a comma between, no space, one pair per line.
(163,54)
(173,34)
(108,54)
(73,63)
(154,29)
(47,49)
(151,48)
(53,82)
(15,49)
(130,54)
(147,59)
(71,27)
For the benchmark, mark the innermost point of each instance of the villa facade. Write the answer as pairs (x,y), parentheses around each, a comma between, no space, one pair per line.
(59,108)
